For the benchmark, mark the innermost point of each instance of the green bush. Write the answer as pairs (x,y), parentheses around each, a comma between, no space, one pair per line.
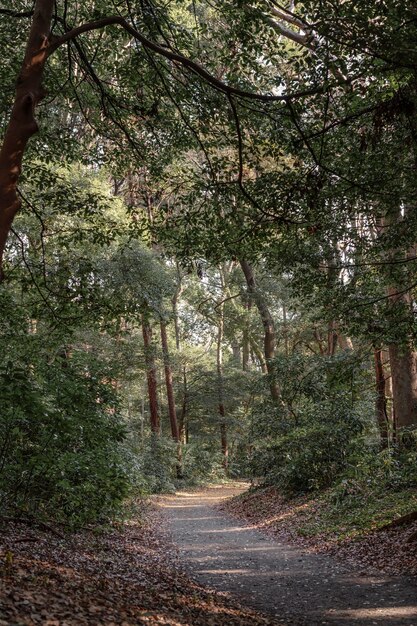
(157,464)
(60,441)
(306,442)
(202,463)
(371,469)
(311,455)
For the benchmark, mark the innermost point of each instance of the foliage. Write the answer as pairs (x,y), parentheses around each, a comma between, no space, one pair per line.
(145,187)
(373,471)
(306,443)
(157,465)
(202,463)
(60,430)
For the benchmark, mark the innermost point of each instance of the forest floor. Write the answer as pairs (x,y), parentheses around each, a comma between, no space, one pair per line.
(356,530)
(292,580)
(193,561)
(126,575)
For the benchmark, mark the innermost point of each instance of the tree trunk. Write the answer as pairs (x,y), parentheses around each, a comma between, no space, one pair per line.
(151,376)
(22,124)
(388,392)
(220,382)
(169,384)
(245,351)
(174,301)
(345,343)
(285,329)
(258,353)
(237,357)
(403,359)
(267,322)
(225,445)
(331,338)
(182,422)
(171,398)
(381,399)
(403,364)
(246,337)
(333,260)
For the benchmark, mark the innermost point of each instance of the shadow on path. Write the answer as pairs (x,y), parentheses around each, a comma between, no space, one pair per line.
(280,579)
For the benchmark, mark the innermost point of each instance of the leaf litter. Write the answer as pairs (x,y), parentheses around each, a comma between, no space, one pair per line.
(124,575)
(298,521)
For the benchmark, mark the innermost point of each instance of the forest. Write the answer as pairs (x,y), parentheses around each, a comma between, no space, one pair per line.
(208,276)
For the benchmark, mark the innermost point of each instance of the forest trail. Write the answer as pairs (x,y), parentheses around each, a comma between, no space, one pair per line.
(276,578)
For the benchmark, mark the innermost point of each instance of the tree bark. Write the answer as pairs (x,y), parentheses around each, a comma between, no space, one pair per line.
(175,432)
(381,399)
(237,357)
(246,336)
(388,392)
(169,384)
(267,322)
(403,359)
(220,381)
(182,419)
(182,422)
(285,329)
(175,299)
(151,375)
(403,364)
(259,354)
(22,124)
(345,343)
(331,338)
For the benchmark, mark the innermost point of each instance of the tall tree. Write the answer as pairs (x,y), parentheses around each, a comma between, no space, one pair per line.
(151,374)
(268,325)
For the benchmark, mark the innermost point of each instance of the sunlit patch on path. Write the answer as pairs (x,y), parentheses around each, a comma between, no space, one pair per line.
(279,579)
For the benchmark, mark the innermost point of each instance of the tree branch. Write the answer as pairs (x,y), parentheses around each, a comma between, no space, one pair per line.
(195,67)
(300,38)
(288,16)
(11,13)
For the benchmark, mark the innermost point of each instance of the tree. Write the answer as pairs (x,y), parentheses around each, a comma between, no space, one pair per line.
(42,44)
(268,324)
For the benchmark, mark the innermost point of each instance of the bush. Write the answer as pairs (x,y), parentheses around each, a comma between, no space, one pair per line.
(307,441)
(372,470)
(202,463)
(60,441)
(158,465)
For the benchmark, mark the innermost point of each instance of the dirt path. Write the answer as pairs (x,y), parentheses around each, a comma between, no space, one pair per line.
(279,579)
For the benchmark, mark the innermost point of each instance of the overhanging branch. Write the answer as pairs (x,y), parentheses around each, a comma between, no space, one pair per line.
(193,66)
(11,13)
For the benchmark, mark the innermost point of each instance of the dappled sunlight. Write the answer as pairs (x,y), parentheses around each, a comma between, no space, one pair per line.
(227,572)
(173,505)
(238,529)
(284,515)
(368,613)
(277,577)
(188,519)
(252,573)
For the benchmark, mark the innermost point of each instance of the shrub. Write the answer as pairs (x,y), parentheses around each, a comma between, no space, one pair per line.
(158,464)
(306,442)
(202,463)
(60,441)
